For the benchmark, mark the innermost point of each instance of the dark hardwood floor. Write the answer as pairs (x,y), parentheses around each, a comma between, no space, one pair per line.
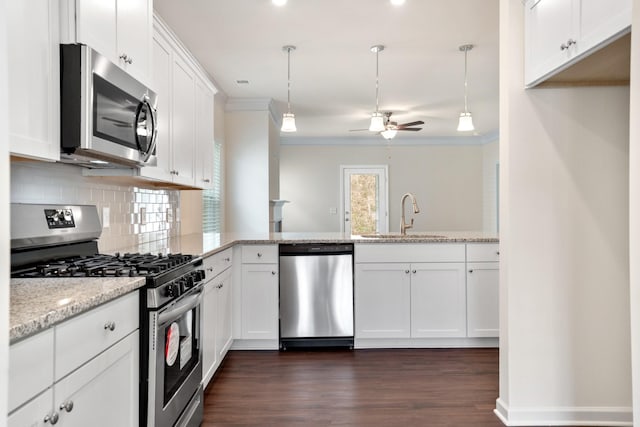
(404,387)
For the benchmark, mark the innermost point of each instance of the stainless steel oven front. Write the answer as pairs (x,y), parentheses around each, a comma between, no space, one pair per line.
(175,396)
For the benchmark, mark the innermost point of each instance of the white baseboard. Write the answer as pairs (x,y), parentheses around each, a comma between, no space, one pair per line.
(255,345)
(425,342)
(564,416)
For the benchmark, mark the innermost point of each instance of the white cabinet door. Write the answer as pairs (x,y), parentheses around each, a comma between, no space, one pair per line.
(204,135)
(382,300)
(34,413)
(33,66)
(183,122)
(103,392)
(482,299)
(134,22)
(438,300)
(549,24)
(209,328)
(161,84)
(96,26)
(224,330)
(259,301)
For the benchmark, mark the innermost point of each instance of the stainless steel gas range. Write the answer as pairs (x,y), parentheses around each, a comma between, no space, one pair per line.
(49,241)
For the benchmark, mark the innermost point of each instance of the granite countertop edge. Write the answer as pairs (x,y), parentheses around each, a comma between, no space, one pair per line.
(33,311)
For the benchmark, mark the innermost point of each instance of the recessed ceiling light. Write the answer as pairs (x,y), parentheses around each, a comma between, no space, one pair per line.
(397,2)
(279,2)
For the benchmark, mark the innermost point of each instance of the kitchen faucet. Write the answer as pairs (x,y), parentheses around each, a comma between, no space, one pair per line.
(416,209)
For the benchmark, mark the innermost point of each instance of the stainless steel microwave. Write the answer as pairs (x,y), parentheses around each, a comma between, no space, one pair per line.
(107,117)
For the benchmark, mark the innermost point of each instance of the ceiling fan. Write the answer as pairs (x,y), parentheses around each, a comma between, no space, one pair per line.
(391,128)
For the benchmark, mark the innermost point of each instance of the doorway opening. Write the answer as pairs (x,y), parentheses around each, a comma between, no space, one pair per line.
(364,198)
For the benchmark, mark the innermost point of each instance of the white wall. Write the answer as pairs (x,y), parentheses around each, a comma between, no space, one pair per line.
(447,182)
(4,225)
(634,210)
(564,276)
(247,172)
(490,155)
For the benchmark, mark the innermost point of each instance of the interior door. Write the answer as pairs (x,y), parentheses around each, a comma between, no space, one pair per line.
(364,199)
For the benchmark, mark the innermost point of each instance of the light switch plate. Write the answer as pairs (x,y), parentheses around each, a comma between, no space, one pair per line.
(333,211)
(105,217)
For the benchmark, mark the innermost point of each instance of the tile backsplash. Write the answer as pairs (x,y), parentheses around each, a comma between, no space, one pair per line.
(137,216)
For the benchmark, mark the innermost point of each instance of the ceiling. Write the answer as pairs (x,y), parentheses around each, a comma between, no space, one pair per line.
(421,69)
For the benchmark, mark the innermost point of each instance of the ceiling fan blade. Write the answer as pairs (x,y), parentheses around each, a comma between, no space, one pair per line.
(419,122)
(413,129)
(357,130)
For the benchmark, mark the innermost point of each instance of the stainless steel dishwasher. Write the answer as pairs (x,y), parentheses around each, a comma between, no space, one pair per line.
(316,295)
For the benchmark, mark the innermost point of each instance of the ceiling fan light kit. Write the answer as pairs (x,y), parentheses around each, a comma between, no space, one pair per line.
(279,2)
(465,123)
(397,2)
(288,118)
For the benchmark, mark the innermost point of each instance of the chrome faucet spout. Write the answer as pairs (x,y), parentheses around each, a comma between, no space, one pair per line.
(403,223)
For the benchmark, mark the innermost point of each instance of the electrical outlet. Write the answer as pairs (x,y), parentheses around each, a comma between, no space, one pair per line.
(105,217)
(143,216)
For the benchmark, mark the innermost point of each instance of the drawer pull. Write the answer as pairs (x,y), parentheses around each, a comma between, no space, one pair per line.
(273,273)
(406,271)
(67,406)
(470,271)
(51,418)
(110,326)
(497,252)
(210,269)
(414,271)
(227,259)
(259,255)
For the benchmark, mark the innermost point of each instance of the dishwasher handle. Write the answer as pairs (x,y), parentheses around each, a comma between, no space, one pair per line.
(303,249)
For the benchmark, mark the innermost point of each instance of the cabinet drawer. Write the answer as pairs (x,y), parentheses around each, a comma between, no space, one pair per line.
(259,254)
(483,252)
(83,337)
(30,367)
(217,263)
(401,252)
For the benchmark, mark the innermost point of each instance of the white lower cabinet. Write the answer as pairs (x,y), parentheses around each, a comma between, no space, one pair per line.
(438,300)
(482,273)
(256,319)
(382,300)
(217,332)
(100,389)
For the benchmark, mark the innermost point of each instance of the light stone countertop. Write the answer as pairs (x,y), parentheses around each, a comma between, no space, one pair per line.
(38,304)
(210,243)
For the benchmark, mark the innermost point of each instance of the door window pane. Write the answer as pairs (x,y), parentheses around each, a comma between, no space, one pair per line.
(364,203)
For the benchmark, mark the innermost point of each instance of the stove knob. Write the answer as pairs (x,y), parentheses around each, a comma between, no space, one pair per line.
(199,275)
(172,290)
(188,282)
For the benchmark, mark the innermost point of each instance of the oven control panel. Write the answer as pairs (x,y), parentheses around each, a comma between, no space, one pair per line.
(59,218)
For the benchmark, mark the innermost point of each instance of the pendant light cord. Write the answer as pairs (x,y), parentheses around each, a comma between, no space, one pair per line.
(466,110)
(289,80)
(377,79)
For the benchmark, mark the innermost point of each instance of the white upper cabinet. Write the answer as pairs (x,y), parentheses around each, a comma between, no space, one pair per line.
(559,33)
(34,78)
(183,128)
(204,135)
(118,29)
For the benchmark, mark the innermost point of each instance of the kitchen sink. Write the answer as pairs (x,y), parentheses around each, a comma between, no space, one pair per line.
(400,236)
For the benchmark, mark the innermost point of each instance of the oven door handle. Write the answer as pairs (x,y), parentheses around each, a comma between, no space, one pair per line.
(177,310)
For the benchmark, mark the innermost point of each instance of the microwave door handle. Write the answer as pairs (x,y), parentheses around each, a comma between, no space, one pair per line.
(154,132)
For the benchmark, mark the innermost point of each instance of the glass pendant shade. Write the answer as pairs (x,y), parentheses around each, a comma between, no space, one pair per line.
(288,122)
(466,122)
(389,133)
(377,122)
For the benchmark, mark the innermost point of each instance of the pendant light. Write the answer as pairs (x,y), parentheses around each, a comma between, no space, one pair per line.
(377,120)
(465,122)
(288,118)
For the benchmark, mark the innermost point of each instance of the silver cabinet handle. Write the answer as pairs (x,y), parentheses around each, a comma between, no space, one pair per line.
(259,255)
(414,271)
(206,180)
(497,252)
(220,286)
(227,259)
(470,271)
(67,406)
(110,326)
(209,268)
(568,44)
(406,272)
(126,58)
(51,418)
(273,273)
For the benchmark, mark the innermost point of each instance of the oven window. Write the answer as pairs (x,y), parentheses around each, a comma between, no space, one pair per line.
(181,352)
(114,113)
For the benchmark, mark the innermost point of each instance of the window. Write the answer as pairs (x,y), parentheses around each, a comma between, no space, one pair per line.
(212,198)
